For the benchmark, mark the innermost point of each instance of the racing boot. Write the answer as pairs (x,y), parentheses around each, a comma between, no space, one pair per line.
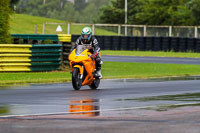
(98,68)
(99,73)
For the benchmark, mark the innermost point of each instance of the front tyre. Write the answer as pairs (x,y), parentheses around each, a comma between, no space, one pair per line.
(76,81)
(95,84)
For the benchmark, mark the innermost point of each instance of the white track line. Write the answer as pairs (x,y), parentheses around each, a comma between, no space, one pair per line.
(103,110)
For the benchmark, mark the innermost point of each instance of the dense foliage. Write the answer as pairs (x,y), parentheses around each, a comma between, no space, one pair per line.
(114,13)
(13,3)
(150,12)
(81,11)
(4,21)
(153,12)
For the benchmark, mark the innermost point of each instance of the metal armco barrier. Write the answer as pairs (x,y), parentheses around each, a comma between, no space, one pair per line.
(28,57)
(175,44)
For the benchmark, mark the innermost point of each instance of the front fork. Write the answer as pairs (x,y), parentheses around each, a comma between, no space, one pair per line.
(81,70)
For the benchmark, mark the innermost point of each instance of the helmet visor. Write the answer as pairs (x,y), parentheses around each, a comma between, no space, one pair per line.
(85,36)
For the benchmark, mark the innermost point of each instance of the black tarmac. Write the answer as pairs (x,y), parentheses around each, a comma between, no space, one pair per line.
(164,60)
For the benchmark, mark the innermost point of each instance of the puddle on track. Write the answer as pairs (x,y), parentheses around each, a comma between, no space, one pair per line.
(159,79)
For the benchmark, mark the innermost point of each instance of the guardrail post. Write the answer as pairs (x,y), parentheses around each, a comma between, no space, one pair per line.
(68,29)
(119,30)
(35,28)
(44,28)
(125,30)
(196,32)
(93,29)
(145,30)
(170,31)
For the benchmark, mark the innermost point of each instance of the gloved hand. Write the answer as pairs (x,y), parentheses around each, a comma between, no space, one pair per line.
(93,56)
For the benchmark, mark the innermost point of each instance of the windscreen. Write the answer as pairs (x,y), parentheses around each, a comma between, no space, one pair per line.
(80,49)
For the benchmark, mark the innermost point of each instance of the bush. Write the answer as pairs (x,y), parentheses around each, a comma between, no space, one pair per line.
(4,21)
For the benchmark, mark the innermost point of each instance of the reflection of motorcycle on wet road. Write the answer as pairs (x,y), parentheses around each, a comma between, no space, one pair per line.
(83,68)
(85,107)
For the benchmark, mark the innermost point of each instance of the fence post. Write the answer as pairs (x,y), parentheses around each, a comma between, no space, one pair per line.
(196,32)
(93,29)
(68,29)
(35,28)
(170,31)
(145,30)
(44,28)
(125,30)
(119,30)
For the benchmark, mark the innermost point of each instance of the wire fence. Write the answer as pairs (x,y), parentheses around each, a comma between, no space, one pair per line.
(125,30)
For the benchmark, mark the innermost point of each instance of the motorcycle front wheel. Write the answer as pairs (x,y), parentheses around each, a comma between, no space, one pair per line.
(76,81)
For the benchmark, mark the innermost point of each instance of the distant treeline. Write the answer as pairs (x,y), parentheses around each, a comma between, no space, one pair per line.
(82,11)
(145,12)
(153,12)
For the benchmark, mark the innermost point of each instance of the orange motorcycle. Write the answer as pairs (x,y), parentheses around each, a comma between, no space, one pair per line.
(83,68)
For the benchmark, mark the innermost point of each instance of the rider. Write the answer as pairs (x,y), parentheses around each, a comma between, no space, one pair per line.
(86,38)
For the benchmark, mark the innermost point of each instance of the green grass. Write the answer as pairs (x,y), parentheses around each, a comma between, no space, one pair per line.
(151,53)
(147,70)
(24,24)
(109,70)
(30,77)
(76,30)
(4,109)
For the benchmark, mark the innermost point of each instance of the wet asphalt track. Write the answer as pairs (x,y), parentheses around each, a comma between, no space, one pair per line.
(165,60)
(111,108)
(112,94)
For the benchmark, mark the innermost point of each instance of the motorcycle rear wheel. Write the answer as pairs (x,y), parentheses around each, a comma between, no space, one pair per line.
(95,84)
(76,81)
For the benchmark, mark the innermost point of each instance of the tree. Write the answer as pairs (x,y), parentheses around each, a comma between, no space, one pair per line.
(153,12)
(91,12)
(168,12)
(114,13)
(13,3)
(80,5)
(4,21)
(37,8)
(81,11)
(194,5)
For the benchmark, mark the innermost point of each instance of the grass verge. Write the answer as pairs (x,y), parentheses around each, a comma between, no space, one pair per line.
(24,24)
(31,77)
(151,53)
(110,70)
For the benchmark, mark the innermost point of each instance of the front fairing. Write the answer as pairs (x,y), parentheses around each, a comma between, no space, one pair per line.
(79,54)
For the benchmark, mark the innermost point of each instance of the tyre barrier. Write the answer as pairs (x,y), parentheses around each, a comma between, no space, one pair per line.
(24,58)
(175,44)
